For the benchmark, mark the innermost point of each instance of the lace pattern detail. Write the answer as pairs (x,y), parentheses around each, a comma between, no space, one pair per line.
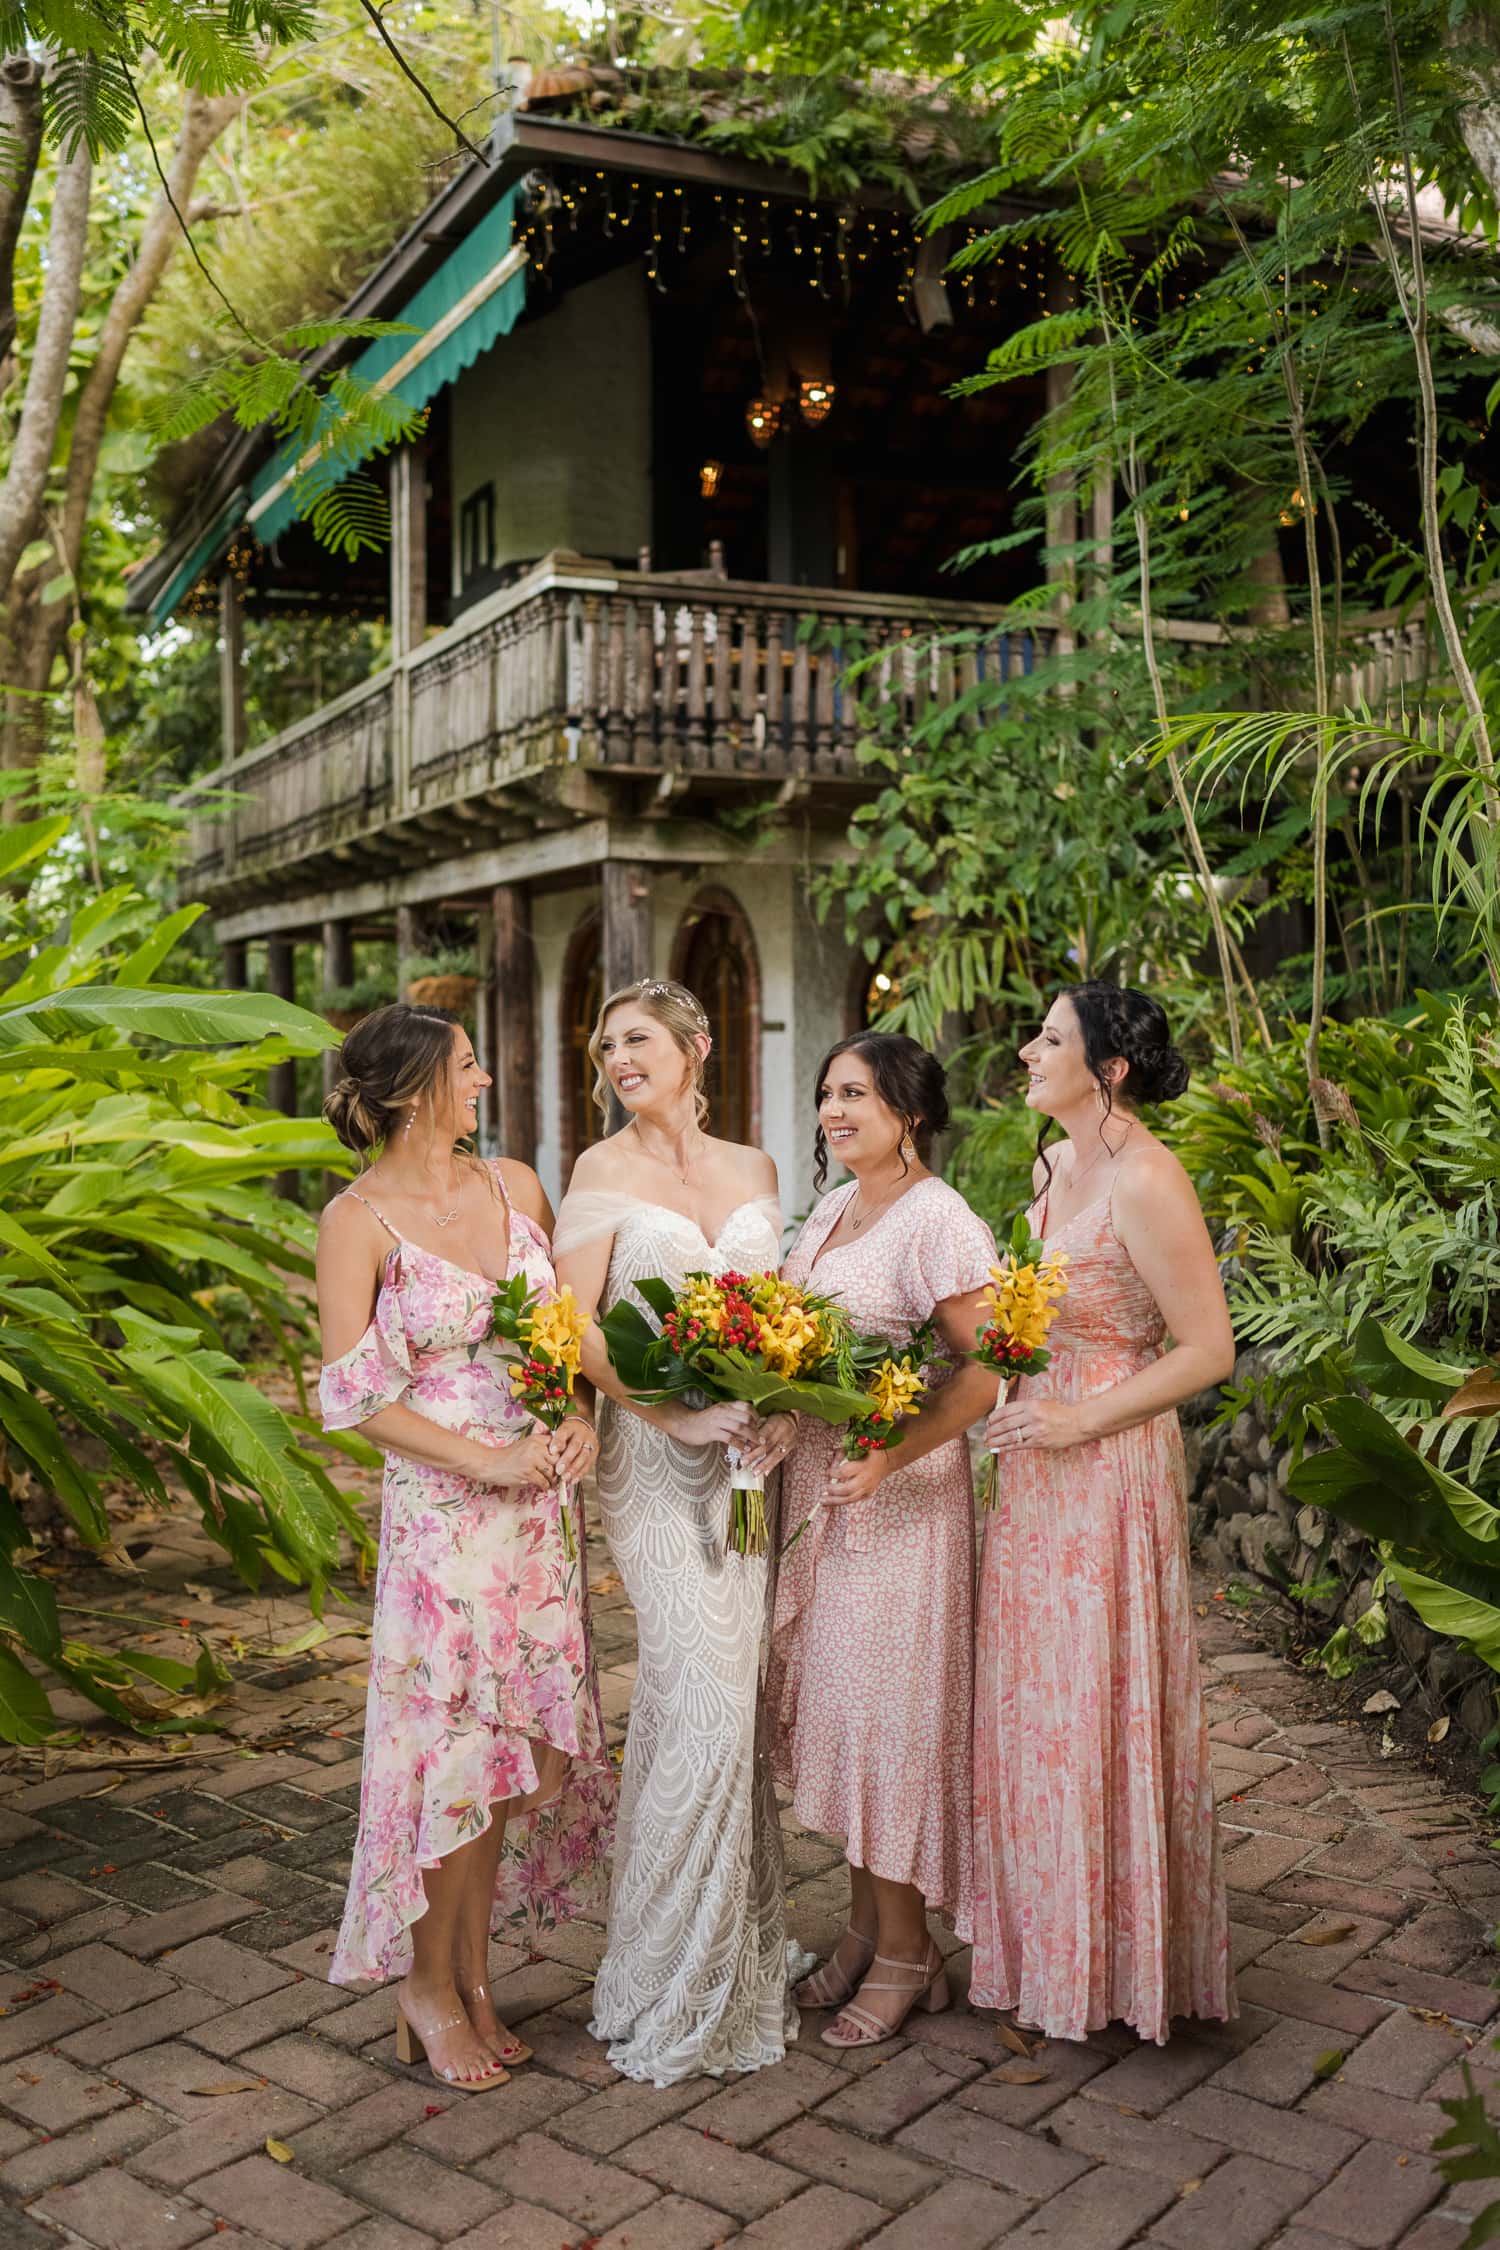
(694,1976)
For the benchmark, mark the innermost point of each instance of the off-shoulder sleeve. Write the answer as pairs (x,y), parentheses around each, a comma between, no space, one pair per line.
(952,1249)
(372,1374)
(586,1215)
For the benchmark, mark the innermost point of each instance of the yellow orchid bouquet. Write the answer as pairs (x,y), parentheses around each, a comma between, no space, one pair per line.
(549,1337)
(1022,1301)
(891,1388)
(753,1337)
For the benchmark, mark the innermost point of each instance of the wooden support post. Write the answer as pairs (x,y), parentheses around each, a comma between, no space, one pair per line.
(408,499)
(410,941)
(338,968)
(231,667)
(626,902)
(281,1082)
(514,1018)
(235,955)
(1062,499)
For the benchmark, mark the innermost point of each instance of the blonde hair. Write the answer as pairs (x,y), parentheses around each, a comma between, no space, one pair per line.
(678,1013)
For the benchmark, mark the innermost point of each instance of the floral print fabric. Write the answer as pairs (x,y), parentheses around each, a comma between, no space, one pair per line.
(1100,1895)
(481,1635)
(870,1681)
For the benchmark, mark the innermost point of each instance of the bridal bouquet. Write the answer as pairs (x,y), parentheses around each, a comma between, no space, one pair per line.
(549,1338)
(752,1337)
(1022,1302)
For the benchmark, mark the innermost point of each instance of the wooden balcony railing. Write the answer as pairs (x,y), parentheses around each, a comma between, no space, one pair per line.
(698,681)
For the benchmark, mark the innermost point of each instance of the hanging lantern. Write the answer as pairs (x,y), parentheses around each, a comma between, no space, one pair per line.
(708,477)
(761,418)
(815,400)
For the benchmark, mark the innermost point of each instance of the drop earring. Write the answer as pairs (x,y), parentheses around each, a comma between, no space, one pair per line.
(908,1148)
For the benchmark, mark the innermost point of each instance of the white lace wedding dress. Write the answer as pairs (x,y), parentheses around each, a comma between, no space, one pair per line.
(694,1976)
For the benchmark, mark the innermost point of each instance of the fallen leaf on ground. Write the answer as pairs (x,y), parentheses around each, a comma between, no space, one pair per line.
(1326,2065)
(1010,2037)
(1438,1729)
(1020,2074)
(227,2086)
(1381,1700)
(279,2152)
(1334,1933)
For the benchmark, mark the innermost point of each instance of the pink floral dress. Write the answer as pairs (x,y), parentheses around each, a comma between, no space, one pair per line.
(481,1638)
(1099,1891)
(870,1682)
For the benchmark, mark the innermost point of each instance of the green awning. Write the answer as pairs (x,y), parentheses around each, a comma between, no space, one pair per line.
(213,544)
(476,296)
(473,299)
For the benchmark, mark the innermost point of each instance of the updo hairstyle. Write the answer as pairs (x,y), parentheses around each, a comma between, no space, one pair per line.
(678,1012)
(908,1080)
(1118,1022)
(389,1060)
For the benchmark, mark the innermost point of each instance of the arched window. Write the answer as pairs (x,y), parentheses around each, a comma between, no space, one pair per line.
(714,956)
(582,998)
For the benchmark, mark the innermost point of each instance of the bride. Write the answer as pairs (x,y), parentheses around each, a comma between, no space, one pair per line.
(694,1972)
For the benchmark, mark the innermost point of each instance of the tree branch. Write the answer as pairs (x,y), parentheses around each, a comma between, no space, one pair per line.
(20,141)
(428,97)
(204,119)
(25,484)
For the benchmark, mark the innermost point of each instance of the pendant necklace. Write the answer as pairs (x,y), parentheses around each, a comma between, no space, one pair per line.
(664,1161)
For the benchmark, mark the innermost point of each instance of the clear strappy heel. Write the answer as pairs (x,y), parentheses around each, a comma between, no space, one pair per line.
(411,2047)
(861,2028)
(517,2051)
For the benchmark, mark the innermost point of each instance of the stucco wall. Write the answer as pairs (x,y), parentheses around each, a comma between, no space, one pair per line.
(558,416)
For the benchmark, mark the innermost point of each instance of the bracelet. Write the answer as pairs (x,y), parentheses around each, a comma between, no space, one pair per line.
(583,1422)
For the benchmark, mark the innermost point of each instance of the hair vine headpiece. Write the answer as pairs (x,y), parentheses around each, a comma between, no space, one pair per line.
(679,993)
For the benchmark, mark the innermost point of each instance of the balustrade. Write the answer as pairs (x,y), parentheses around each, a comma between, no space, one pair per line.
(702,679)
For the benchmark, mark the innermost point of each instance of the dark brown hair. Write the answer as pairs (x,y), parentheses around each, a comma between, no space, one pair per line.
(908,1080)
(389,1061)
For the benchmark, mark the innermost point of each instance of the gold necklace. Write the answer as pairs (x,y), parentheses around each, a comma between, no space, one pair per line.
(665,1162)
(856,1223)
(1076,1179)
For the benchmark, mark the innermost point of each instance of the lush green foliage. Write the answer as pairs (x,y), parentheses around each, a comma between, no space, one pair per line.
(135,1171)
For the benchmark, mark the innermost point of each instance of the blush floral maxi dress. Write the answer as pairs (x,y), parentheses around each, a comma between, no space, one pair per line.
(870,1681)
(1100,1894)
(481,1636)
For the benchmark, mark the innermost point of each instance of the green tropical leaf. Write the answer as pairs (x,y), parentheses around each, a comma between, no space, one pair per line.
(25,1714)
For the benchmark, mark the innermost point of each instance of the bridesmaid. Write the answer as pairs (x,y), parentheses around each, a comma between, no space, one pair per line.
(1100,1896)
(869,1684)
(487,1789)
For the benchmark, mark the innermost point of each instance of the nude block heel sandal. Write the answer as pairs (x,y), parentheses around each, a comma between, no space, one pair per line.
(931,1996)
(410,2048)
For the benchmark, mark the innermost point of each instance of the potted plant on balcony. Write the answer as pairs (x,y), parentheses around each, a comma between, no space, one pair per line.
(447,979)
(345,1005)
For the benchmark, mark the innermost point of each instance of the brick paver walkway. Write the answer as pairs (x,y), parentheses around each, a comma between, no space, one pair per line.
(165,2016)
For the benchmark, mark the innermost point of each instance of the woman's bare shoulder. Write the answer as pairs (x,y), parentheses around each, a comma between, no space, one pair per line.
(754,1166)
(1152,1181)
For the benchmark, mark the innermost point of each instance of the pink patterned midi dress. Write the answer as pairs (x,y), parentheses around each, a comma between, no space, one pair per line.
(481,1638)
(870,1681)
(1099,1891)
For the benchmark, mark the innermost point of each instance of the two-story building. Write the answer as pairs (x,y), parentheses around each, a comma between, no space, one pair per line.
(691,453)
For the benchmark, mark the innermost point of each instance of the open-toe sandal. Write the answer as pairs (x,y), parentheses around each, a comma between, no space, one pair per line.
(829,1986)
(411,2047)
(517,2051)
(855,2026)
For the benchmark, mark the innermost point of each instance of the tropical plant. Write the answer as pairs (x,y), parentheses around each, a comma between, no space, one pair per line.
(135,1166)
